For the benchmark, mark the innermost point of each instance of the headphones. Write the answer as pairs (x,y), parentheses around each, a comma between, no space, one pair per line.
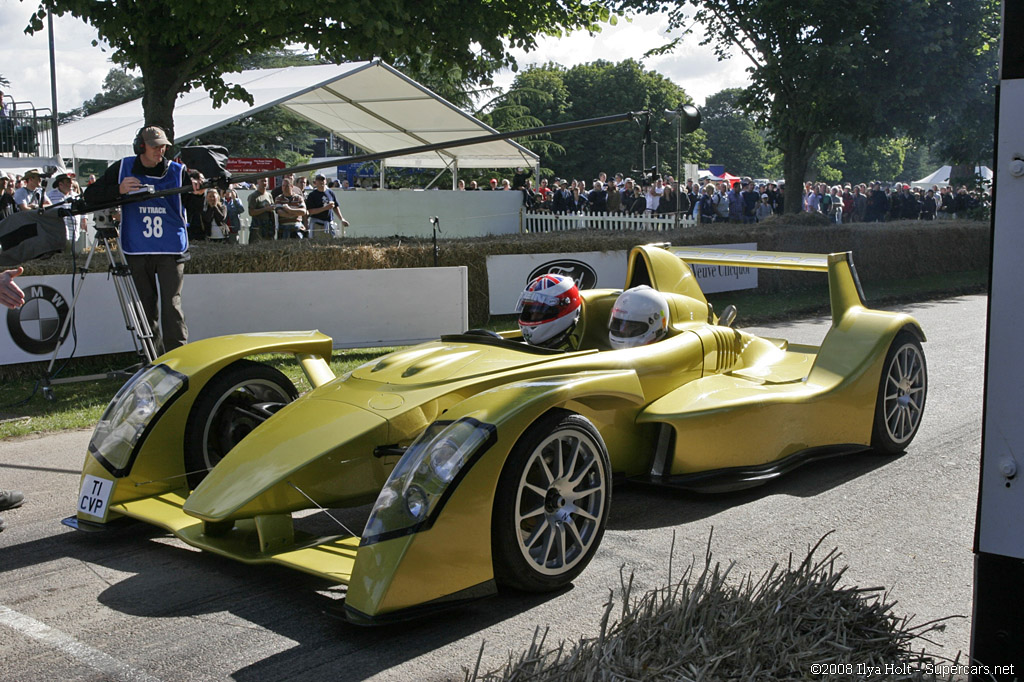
(138,144)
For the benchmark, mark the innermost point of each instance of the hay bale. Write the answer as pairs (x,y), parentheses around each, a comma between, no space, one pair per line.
(707,627)
(882,251)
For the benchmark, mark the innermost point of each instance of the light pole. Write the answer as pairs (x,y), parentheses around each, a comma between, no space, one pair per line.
(53,85)
(692,117)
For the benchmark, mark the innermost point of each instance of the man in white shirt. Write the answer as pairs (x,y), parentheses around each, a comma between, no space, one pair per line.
(30,196)
(60,192)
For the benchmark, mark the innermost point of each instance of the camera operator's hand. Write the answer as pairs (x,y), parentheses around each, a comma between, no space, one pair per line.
(11,294)
(129,185)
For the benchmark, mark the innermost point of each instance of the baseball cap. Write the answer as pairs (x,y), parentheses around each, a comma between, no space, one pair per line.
(31,174)
(154,136)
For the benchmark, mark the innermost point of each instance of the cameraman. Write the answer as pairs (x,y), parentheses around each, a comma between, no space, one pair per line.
(154,232)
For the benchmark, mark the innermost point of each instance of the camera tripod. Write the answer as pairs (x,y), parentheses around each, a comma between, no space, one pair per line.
(134,315)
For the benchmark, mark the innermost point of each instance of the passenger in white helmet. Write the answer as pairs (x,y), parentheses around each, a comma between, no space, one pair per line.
(549,309)
(639,317)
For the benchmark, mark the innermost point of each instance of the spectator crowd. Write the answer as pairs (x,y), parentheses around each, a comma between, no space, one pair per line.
(739,201)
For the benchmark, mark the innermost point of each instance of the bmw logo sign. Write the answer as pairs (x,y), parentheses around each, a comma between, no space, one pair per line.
(584,275)
(35,326)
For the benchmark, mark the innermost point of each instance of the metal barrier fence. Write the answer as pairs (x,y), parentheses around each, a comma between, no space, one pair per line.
(26,130)
(559,222)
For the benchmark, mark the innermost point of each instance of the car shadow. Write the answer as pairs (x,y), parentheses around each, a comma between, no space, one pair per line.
(149,574)
(632,507)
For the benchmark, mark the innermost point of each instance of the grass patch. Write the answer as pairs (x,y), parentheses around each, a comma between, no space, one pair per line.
(706,626)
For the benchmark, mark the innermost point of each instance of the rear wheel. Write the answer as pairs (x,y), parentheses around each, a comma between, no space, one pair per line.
(238,399)
(552,504)
(901,395)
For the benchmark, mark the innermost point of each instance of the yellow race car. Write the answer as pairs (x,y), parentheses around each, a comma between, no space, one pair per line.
(489,461)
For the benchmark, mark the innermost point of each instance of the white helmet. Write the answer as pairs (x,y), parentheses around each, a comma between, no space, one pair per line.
(548,309)
(639,317)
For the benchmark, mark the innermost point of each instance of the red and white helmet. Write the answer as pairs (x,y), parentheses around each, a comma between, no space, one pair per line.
(548,309)
(639,317)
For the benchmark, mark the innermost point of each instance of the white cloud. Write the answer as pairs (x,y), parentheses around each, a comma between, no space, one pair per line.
(25,59)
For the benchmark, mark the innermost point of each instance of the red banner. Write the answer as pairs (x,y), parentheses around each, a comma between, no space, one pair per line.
(255,165)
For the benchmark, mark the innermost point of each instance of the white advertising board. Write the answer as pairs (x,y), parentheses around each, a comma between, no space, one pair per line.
(357,308)
(507,275)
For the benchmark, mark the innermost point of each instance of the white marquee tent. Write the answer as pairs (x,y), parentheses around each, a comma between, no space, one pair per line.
(941,176)
(370,104)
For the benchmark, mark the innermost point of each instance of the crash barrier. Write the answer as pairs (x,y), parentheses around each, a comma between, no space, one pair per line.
(27,131)
(356,308)
(883,252)
(560,222)
(407,213)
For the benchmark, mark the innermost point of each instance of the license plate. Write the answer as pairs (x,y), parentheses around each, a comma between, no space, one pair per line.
(94,496)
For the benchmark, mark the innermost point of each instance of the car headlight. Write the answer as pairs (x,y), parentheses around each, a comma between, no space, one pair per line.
(423,478)
(131,413)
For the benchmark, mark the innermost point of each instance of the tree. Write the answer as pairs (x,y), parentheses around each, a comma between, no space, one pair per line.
(734,140)
(555,94)
(190,43)
(867,69)
(964,125)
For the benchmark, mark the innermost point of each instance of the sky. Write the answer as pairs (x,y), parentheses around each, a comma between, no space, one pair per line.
(81,67)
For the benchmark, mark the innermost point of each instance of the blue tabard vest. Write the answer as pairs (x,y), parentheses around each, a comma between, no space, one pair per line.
(157,225)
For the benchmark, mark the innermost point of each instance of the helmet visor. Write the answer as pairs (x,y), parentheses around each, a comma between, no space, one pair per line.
(627,329)
(535,306)
(532,311)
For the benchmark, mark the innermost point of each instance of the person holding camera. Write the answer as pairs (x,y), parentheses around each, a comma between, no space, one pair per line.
(154,232)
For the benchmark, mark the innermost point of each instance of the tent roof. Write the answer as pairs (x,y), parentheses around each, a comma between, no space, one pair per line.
(941,176)
(370,104)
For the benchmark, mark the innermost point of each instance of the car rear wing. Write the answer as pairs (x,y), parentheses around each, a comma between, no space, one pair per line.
(844,286)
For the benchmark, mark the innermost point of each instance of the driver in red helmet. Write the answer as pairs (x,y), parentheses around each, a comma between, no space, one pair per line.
(549,309)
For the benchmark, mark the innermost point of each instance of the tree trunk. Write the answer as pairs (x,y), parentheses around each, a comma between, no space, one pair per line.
(796,157)
(161,88)
(962,174)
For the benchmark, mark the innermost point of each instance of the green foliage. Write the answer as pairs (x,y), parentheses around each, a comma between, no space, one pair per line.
(823,165)
(554,94)
(734,140)
(191,43)
(964,125)
(855,161)
(869,69)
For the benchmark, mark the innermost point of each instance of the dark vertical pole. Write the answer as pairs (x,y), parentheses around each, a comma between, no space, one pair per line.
(53,85)
(997,626)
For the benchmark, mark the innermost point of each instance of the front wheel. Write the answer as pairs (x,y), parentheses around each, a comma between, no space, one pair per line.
(901,395)
(552,504)
(234,402)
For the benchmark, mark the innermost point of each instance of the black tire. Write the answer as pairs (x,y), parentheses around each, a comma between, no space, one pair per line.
(542,541)
(235,401)
(902,391)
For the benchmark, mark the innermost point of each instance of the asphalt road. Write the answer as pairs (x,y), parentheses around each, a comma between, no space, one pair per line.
(137,605)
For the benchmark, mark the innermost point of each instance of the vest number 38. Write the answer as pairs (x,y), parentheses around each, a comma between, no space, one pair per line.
(154,226)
